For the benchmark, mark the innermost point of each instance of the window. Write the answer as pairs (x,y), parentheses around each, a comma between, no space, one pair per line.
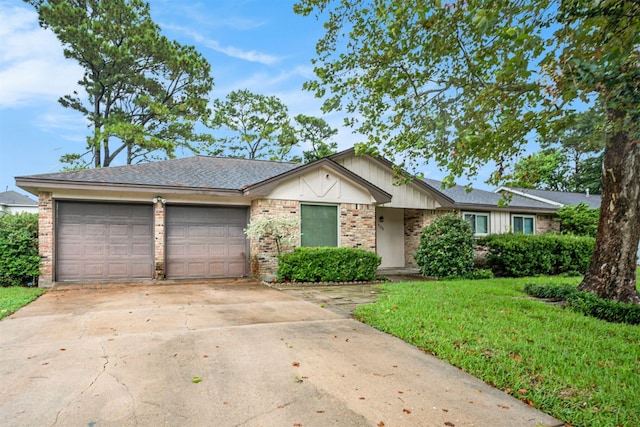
(479,222)
(319,225)
(525,224)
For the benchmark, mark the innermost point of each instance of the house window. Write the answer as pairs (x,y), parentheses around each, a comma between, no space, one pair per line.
(479,222)
(525,224)
(319,225)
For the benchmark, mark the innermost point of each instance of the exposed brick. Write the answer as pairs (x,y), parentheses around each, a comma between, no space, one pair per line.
(46,230)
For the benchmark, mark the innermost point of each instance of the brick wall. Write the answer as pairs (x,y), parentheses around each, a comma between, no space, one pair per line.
(546,224)
(415,220)
(159,234)
(46,229)
(356,228)
(264,253)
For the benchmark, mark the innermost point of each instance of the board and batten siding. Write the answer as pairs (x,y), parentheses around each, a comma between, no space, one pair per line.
(500,222)
(404,196)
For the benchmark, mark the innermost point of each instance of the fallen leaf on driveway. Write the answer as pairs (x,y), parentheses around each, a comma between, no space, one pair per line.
(406,411)
(449,424)
(296,364)
(196,380)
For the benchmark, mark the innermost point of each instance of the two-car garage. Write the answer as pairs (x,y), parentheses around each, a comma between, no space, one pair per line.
(115,241)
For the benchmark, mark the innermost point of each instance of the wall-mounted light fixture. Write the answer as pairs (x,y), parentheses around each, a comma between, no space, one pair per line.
(159,199)
(381,219)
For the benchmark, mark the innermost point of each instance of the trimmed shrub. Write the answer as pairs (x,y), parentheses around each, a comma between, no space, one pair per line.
(446,248)
(18,248)
(325,264)
(519,255)
(587,303)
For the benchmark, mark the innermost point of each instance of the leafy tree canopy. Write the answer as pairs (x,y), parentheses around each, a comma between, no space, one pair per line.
(253,126)
(143,92)
(317,133)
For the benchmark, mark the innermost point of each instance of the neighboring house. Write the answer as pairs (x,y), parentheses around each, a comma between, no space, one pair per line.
(12,202)
(185,218)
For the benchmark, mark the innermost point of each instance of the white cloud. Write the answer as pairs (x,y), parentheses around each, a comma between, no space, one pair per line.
(32,66)
(234,52)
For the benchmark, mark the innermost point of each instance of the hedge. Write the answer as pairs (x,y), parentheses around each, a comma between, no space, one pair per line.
(19,259)
(587,303)
(325,264)
(519,255)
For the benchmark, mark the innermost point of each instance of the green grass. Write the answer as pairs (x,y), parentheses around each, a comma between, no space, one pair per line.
(14,297)
(581,370)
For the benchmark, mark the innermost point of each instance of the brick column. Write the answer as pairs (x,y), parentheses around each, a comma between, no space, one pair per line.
(46,230)
(159,240)
(358,226)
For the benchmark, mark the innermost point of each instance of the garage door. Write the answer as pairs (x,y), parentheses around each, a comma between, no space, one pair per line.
(103,241)
(206,242)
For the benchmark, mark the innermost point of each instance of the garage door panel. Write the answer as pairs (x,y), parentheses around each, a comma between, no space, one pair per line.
(198,242)
(100,241)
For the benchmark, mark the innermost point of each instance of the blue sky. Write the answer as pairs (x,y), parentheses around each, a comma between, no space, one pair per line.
(251,44)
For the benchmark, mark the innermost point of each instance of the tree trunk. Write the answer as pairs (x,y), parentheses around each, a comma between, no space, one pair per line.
(612,272)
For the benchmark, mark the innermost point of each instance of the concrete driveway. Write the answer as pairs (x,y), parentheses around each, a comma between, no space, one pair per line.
(128,356)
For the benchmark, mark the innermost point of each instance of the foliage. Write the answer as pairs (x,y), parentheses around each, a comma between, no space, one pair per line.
(545,170)
(14,297)
(578,369)
(446,248)
(317,133)
(471,83)
(18,248)
(580,220)
(143,92)
(284,231)
(255,126)
(587,303)
(324,264)
(519,255)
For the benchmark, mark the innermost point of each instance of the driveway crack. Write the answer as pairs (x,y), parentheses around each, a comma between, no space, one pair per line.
(93,381)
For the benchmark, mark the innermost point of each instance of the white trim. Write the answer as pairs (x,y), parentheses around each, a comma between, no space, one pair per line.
(528,196)
(487,214)
(523,216)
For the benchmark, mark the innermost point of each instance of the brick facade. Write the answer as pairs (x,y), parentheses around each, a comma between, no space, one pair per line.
(46,230)
(356,229)
(415,220)
(357,226)
(159,234)
(547,224)
(264,253)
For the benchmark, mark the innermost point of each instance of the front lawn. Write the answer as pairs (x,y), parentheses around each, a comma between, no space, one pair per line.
(581,370)
(14,297)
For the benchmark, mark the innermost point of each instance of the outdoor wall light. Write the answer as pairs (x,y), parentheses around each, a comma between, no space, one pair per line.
(159,199)
(381,219)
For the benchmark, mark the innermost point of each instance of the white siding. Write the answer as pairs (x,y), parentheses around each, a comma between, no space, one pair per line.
(404,196)
(322,185)
(500,222)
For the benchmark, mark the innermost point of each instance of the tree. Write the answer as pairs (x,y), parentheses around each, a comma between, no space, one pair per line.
(546,170)
(317,133)
(466,83)
(257,127)
(144,93)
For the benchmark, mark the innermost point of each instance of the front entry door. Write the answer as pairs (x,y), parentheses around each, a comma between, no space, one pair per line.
(390,236)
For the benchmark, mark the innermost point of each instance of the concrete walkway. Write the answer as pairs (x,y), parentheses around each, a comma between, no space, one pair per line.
(225,355)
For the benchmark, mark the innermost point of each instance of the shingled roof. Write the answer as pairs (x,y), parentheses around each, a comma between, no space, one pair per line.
(561,198)
(488,199)
(199,172)
(11,198)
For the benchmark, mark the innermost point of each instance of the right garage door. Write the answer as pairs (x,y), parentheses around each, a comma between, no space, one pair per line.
(206,242)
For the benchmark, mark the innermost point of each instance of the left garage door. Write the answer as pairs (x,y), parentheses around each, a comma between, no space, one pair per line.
(103,241)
